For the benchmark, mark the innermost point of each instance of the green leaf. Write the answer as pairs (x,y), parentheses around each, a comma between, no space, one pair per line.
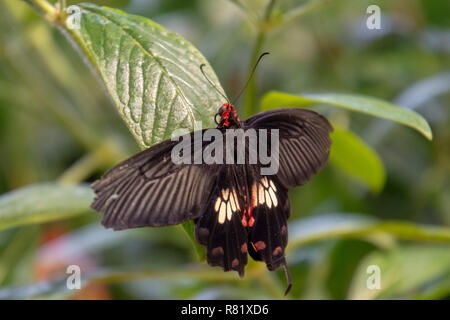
(344,259)
(326,226)
(188,227)
(350,154)
(152,74)
(346,225)
(44,202)
(405,273)
(372,106)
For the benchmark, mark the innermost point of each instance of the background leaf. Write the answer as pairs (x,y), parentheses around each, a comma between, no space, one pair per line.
(43,203)
(350,154)
(409,270)
(372,106)
(346,225)
(344,259)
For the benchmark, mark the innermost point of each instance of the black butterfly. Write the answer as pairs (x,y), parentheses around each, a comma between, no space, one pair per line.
(236,209)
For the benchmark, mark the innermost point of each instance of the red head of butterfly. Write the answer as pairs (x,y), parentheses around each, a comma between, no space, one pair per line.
(228,117)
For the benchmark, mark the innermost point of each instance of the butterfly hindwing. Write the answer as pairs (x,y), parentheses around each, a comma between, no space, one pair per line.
(149,189)
(220,229)
(268,213)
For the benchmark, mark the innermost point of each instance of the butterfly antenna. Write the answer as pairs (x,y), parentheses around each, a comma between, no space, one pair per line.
(250,77)
(288,278)
(212,84)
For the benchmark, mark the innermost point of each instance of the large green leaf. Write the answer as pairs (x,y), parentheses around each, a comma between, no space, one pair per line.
(152,74)
(358,103)
(354,157)
(43,203)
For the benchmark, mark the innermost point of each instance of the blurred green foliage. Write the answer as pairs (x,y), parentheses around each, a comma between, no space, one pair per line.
(57,124)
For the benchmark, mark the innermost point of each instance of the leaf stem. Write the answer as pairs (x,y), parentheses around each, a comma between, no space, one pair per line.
(302,10)
(264,26)
(399,229)
(44,7)
(107,153)
(250,105)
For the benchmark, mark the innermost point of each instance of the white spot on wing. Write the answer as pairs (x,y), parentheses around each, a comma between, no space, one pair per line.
(268,201)
(272,185)
(274,197)
(217,204)
(222,213)
(261,194)
(264,182)
(229,212)
(225,194)
(233,202)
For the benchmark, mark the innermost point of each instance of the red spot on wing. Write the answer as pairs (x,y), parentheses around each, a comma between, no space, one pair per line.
(260,245)
(277,251)
(217,251)
(248,219)
(252,205)
(244,220)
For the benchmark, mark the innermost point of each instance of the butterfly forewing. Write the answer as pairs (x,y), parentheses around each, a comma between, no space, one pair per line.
(149,189)
(304,142)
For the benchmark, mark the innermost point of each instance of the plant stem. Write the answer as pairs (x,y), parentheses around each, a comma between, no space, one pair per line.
(250,106)
(105,154)
(265,26)
(25,65)
(45,7)
(398,229)
(302,10)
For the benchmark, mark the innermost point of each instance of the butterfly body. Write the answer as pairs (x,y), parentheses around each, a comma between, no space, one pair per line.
(237,210)
(228,117)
